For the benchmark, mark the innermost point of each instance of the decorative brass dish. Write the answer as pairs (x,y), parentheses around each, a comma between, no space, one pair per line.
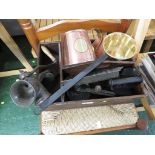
(119,46)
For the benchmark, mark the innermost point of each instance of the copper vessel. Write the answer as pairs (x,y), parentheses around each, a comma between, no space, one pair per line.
(100,50)
(76,47)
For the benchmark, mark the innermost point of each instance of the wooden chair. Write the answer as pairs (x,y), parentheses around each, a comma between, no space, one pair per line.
(35,35)
(40,23)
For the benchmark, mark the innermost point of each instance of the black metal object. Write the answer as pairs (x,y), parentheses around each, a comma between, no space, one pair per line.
(121,86)
(72,82)
(101,76)
(75,95)
(98,76)
(97,91)
(83,88)
(128,72)
(124,81)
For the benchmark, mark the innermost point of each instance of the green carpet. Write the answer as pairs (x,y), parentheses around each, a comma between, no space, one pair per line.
(15,120)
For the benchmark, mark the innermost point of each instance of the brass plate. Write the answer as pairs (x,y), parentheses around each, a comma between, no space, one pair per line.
(120,46)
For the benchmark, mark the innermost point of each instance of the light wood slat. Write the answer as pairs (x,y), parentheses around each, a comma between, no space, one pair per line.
(52,37)
(133,27)
(37,25)
(33,21)
(10,73)
(49,21)
(138,30)
(151,31)
(57,37)
(43,23)
(142,29)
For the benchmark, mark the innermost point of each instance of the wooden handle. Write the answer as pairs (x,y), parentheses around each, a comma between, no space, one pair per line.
(47,52)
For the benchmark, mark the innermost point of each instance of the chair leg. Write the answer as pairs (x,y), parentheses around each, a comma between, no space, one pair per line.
(148,108)
(30,33)
(10,73)
(10,43)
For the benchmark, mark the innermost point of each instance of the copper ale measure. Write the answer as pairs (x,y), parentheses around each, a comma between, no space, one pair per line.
(77,47)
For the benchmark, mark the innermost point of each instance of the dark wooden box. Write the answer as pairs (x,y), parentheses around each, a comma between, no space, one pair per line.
(61,103)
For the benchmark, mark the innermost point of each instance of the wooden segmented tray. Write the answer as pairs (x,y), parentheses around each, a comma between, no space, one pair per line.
(89,120)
